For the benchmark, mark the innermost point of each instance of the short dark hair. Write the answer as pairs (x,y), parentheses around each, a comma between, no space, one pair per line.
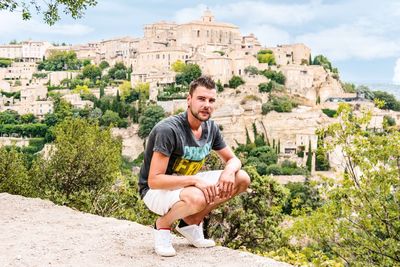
(204,81)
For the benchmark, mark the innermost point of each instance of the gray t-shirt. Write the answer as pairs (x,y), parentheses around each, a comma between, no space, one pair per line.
(174,138)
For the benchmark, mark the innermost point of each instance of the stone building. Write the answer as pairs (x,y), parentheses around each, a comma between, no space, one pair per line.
(288,54)
(20,71)
(31,51)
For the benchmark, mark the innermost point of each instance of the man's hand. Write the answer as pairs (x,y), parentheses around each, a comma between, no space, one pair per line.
(210,191)
(226,184)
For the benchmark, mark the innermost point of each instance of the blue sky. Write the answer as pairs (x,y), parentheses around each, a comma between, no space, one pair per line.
(361,38)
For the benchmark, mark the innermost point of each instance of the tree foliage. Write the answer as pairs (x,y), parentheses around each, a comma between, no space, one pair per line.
(322,61)
(91,72)
(250,220)
(14,176)
(49,10)
(60,60)
(266,56)
(276,76)
(178,66)
(235,81)
(278,104)
(151,115)
(84,160)
(359,221)
(189,73)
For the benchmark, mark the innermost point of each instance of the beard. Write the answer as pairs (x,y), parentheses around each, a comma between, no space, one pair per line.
(197,115)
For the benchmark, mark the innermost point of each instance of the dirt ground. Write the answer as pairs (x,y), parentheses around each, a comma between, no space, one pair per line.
(35,232)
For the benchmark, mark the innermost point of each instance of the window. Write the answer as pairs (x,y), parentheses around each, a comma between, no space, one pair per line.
(198,33)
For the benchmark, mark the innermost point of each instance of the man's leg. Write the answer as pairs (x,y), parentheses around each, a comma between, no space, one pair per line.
(242,182)
(192,201)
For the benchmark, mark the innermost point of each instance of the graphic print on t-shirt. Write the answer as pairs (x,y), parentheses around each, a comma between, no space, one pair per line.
(192,159)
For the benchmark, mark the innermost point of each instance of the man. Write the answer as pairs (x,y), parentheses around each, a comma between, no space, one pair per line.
(169,182)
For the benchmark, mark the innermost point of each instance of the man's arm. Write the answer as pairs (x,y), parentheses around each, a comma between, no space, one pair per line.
(227,180)
(159,180)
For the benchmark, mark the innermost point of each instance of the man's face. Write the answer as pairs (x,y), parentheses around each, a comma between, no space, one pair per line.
(201,103)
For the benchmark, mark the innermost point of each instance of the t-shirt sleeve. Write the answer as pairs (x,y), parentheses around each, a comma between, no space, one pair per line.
(219,142)
(164,141)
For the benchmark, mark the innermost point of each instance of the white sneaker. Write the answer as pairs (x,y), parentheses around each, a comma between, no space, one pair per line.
(163,243)
(194,234)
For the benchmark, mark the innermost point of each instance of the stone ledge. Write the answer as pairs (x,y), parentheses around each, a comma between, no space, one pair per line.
(37,232)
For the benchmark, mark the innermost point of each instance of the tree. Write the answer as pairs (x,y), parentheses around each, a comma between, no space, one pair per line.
(9,117)
(220,87)
(309,157)
(91,72)
(278,77)
(84,160)
(119,71)
(178,66)
(359,219)
(265,87)
(266,56)
(151,116)
(49,10)
(5,62)
(103,65)
(190,72)
(323,61)
(251,70)
(251,220)
(236,81)
(81,90)
(110,118)
(60,60)
(125,88)
(143,89)
(390,101)
(28,118)
(14,177)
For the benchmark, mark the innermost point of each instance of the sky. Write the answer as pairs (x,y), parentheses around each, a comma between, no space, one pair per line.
(360,37)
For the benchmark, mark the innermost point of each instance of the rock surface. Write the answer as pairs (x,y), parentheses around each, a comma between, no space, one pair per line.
(36,232)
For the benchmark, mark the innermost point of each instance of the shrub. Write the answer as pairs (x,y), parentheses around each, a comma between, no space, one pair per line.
(331,113)
(266,56)
(279,104)
(274,76)
(265,87)
(235,82)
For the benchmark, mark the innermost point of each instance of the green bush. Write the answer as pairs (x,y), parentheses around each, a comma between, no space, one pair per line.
(331,113)
(251,220)
(274,76)
(5,62)
(189,73)
(251,70)
(236,81)
(266,56)
(279,104)
(265,87)
(303,198)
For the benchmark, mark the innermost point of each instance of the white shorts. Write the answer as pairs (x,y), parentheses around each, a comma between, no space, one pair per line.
(160,201)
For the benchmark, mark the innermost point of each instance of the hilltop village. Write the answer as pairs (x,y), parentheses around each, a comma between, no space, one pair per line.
(251,80)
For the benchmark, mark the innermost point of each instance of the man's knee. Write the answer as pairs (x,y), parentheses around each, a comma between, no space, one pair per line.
(242,180)
(194,197)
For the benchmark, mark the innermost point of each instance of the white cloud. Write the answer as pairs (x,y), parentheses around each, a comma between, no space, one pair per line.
(260,12)
(16,26)
(396,75)
(346,42)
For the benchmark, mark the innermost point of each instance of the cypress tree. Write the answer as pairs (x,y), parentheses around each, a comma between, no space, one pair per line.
(309,157)
(248,141)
